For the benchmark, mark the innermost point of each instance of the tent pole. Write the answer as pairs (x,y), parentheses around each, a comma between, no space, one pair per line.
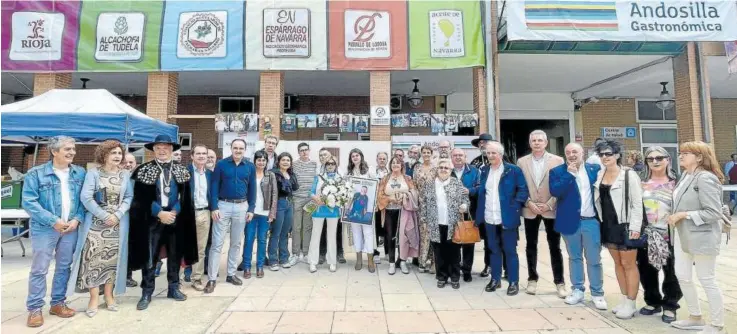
(35,155)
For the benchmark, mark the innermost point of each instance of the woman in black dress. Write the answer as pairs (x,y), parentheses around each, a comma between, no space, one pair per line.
(618,198)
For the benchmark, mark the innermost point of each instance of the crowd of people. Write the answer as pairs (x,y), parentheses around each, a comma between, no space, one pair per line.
(102,224)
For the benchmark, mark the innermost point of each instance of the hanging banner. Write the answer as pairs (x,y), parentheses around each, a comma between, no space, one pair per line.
(619,20)
(730,48)
(286,35)
(39,35)
(368,35)
(445,34)
(204,35)
(120,36)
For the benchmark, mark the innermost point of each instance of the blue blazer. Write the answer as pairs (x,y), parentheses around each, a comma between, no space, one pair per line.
(208,174)
(513,194)
(563,186)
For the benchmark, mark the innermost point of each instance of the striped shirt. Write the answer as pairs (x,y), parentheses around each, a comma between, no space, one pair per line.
(305,172)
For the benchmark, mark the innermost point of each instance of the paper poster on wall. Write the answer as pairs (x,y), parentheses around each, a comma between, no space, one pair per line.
(120,35)
(401,120)
(250,122)
(445,34)
(39,35)
(251,139)
(419,120)
(368,35)
(286,35)
(289,123)
(437,123)
(327,120)
(622,20)
(346,123)
(202,35)
(361,123)
(307,121)
(468,120)
(451,122)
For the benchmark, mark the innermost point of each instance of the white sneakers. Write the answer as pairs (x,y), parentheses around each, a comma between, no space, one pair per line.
(531,287)
(293,260)
(404,268)
(333,268)
(599,302)
(392,268)
(274,267)
(689,324)
(575,297)
(561,290)
(302,258)
(622,301)
(313,268)
(627,310)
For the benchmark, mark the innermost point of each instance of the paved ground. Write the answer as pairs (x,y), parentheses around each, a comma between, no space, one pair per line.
(293,300)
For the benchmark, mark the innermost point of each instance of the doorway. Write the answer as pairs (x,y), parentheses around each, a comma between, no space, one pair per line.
(515,135)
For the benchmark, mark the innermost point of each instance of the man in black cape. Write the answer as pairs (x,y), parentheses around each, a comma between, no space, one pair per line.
(162,219)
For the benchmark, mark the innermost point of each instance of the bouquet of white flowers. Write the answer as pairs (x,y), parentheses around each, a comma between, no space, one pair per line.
(334,192)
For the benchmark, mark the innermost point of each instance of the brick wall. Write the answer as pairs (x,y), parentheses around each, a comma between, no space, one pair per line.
(609,113)
(724,118)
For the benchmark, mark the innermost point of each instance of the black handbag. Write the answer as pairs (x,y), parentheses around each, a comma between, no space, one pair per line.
(642,240)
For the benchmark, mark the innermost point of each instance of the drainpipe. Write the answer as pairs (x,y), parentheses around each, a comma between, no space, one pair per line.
(701,82)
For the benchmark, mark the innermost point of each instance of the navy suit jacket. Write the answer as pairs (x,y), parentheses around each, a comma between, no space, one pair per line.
(513,194)
(563,186)
(208,174)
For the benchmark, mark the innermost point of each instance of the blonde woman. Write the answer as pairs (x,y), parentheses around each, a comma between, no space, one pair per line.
(696,218)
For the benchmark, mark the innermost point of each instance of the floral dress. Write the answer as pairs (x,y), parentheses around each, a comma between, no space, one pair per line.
(99,260)
(424,178)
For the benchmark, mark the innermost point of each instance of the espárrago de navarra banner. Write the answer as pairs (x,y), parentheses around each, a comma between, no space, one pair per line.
(617,20)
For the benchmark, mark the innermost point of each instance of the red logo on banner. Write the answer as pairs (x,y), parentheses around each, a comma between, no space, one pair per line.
(364,27)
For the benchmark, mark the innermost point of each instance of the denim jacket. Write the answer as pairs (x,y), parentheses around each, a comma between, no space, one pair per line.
(42,196)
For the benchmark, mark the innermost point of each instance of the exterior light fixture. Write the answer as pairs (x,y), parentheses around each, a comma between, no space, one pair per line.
(415,99)
(665,101)
(84,82)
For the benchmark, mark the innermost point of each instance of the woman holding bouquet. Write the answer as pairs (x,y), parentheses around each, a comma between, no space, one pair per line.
(362,234)
(322,213)
(397,202)
(286,184)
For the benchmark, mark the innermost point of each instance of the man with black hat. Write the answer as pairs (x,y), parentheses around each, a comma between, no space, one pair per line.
(480,143)
(162,216)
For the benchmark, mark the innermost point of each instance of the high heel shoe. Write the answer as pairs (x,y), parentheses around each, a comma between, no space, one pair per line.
(113,307)
(91,312)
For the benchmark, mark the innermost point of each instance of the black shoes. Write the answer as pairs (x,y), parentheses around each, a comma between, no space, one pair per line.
(341,258)
(647,311)
(143,303)
(493,285)
(210,287)
(131,283)
(455,285)
(513,289)
(176,294)
(234,280)
(441,284)
(322,259)
(667,318)
(467,277)
(486,272)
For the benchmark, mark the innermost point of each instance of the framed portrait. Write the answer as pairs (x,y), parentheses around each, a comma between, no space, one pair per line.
(362,204)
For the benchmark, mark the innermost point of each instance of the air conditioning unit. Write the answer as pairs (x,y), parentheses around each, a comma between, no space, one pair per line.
(395,102)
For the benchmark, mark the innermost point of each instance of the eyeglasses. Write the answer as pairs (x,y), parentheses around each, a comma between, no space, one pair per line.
(658,158)
(444,168)
(330,164)
(605,154)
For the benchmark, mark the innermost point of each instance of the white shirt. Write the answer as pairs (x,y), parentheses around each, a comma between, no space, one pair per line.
(66,201)
(200,188)
(538,168)
(259,208)
(459,173)
(584,189)
(271,161)
(493,208)
(442,201)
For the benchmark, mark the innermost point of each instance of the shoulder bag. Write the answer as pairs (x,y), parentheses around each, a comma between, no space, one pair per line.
(466,232)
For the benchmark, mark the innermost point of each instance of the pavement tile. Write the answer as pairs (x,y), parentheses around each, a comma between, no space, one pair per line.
(364,303)
(325,304)
(359,322)
(287,303)
(413,322)
(324,290)
(519,319)
(406,302)
(573,317)
(250,322)
(248,303)
(467,321)
(449,302)
(296,291)
(305,322)
(260,290)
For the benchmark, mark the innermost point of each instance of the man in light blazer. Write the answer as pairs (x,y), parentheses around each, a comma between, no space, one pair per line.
(541,206)
(576,219)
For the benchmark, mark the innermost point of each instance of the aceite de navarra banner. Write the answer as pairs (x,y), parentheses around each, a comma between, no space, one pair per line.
(695,10)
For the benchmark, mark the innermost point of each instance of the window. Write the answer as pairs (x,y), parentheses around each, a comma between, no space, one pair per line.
(185,139)
(236,104)
(664,135)
(331,136)
(364,136)
(648,111)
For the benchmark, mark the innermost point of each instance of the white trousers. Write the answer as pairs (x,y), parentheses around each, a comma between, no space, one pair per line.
(706,272)
(332,252)
(363,238)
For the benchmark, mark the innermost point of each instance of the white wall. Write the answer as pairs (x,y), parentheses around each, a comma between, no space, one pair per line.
(459,102)
(544,105)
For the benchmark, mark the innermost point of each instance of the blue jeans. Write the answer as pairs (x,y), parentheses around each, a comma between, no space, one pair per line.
(500,239)
(255,229)
(279,240)
(586,242)
(47,245)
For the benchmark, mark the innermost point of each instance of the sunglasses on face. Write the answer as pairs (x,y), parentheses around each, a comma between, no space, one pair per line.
(605,154)
(658,159)
(330,164)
